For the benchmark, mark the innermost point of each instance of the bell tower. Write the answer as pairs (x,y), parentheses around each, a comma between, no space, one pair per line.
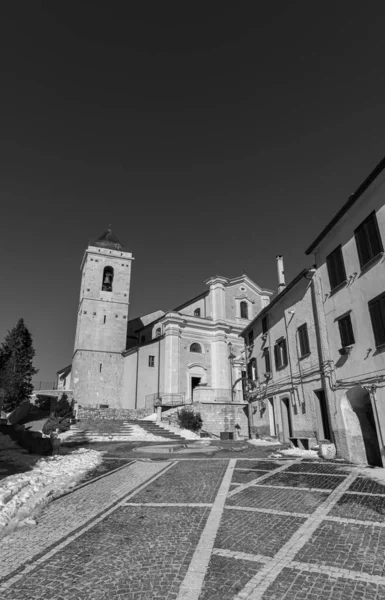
(97,363)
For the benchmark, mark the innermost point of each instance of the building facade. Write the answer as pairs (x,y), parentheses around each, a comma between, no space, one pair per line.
(284,367)
(191,354)
(350,284)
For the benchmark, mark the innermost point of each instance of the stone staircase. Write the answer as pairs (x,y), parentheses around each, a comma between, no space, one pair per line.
(153,428)
(75,435)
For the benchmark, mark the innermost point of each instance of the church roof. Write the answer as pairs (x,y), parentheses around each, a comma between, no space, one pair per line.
(108,240)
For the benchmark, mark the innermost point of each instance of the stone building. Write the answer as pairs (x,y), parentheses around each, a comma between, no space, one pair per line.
(350,300)
(283,365)
(191,354)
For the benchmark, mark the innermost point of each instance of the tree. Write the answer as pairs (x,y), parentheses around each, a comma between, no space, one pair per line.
(16,368)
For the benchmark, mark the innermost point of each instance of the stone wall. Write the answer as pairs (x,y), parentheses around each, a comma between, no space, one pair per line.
(219,417)
(99,414)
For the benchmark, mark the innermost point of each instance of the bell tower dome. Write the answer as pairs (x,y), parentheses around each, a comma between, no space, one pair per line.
(97,364)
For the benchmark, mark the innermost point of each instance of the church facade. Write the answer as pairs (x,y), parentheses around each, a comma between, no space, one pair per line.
(191,354)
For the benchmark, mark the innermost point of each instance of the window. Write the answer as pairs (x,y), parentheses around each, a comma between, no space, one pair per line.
(196,348)
(108,277)
(377,315)
(266,355)
(303,338)
(346,331)
(368,240)
(197,312)
(250,338)
(336,268)
(151,361)
(280,354)
(158,332)
(244,310)
(265,324)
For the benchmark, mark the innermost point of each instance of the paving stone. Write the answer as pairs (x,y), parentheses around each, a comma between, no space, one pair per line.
(264,465)
(136,552)
(63,516)
(318,467)
(189,481)
(255,533)
(226,577)
(303,585)
(367,486)
(360,507)
(346,546)
(307,481)
(278,499)
(246,476)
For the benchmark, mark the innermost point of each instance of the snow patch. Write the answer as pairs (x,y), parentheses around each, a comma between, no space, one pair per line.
(24,494)
(295,452)
(260,442)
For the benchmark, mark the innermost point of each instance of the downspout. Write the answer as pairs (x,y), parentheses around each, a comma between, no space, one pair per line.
(249,409)
(137,373)
(159,368)
(288,354)
(317,327)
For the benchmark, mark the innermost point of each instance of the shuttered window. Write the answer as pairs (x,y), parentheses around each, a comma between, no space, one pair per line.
(377,315)
(265,324)
(368,240)
(280,354)
(336,268)
(250,338)
(346,331)
(267,360)
(303,339)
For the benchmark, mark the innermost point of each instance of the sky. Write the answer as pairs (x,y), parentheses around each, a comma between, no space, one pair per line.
(211,138)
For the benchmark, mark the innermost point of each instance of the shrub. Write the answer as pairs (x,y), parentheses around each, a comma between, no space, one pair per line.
(188,419)
(63,407)
(43,402)
(54,423)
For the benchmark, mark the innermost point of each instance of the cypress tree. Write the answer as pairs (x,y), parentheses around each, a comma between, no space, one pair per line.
(16,367)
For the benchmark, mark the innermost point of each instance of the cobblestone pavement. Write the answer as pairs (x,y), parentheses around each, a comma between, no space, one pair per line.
(207,529)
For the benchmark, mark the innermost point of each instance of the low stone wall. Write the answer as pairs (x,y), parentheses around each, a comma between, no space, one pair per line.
(99,414)
(219,417)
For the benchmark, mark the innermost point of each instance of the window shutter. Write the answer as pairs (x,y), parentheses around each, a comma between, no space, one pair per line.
(377,316)
(373,235)
(336,268)
(284,353)
(362,245)
(303,340)
(267,361)
(276,356)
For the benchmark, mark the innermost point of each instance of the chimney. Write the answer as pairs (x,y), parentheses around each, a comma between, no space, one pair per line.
(281,274)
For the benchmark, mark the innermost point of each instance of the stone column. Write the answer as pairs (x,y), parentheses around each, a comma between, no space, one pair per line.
(220,366)
(172,358)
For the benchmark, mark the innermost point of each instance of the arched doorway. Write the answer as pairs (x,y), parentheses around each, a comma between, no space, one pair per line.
(364,425)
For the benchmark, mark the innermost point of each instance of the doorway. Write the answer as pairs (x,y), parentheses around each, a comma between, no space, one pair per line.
(272,422)
(360,402)
(323,425)
(195,381)
(287,430)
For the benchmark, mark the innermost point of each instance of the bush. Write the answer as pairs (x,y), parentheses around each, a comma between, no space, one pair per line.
(64,407)
(188,419)
(54,423)
(43,402)
(62,417)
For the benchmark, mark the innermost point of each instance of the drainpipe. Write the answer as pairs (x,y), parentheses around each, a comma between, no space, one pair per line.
(159,366)
(317,310)
(137,373)
(288,354)
(281,273)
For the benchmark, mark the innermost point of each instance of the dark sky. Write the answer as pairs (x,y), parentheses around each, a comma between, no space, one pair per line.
(211,140)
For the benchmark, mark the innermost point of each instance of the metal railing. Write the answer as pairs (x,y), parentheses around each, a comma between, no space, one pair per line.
(165,399)
(44,385)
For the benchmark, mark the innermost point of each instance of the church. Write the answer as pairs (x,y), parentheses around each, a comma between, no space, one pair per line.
(191,354)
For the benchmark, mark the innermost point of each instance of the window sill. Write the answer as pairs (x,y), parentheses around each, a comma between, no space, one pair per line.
(373,261)
(304,355)
(281,368)
(338,287)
